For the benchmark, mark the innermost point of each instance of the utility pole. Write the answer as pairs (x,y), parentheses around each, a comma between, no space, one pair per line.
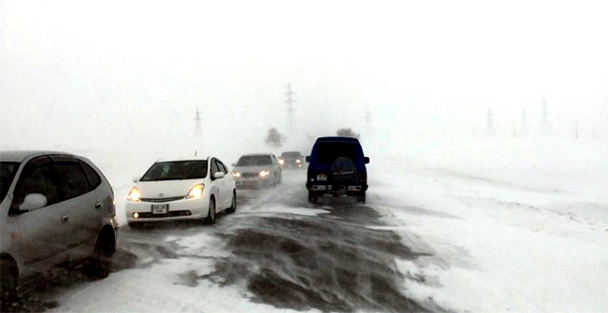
(490,125)
(545,114)
(524,122)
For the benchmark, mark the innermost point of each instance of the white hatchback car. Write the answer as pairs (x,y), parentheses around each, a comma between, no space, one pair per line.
(181,189)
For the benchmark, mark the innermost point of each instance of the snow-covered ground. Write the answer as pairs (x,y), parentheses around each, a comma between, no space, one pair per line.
(519,226)
(504,226)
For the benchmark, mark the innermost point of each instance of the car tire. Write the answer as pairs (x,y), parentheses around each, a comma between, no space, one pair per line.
(232,207)
(210,219)
(99,264)
(361,198)
(312,197)
(8,286)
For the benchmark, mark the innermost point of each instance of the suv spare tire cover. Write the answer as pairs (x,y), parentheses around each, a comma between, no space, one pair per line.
(343,169)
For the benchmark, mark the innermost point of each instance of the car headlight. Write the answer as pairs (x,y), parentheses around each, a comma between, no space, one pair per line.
(236,174)
(196,191)
(264,173)
(298,161)
(134,194)
(281,161)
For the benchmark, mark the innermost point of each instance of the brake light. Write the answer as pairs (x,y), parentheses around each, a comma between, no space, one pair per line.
(311,176)
(364,176)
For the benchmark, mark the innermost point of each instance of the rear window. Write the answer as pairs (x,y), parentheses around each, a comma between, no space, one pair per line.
(176,170)
(92,177)
(72,181)
(7,172)
(328,152)
(252,160)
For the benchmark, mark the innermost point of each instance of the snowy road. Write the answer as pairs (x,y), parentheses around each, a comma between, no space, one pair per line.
(277,249)
(520,228)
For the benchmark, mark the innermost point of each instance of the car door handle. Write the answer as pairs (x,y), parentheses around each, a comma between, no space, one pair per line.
(98,205)
(64,218)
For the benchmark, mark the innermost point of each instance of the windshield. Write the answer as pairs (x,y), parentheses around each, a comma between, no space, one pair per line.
(7,171)
(176,170)
(253,160)
(292,155)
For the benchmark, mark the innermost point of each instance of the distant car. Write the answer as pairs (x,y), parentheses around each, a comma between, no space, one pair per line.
(337,167)
(181,189)
(257,170)
(291,159)
(57,209)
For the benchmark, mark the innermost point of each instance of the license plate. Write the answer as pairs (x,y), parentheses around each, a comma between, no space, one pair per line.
(160,208)
(322,177)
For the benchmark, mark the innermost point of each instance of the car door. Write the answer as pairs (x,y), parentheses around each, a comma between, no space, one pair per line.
(220,191)
(226,184)
(83,208)
(41,231)
(276,167)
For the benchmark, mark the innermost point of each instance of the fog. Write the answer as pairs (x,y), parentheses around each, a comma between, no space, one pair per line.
(128,75)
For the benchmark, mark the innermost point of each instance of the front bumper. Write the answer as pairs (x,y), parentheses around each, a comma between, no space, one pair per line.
(185,209)
(253,181)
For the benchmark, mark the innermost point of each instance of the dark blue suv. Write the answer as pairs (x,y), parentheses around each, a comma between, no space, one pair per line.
(337,167)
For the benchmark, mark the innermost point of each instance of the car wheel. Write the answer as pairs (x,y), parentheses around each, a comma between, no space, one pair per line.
(361,198)
(8,287)
(312,198)
(210,219)
(99,264)
(232,207)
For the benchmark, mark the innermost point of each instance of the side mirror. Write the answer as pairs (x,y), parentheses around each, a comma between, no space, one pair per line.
(33,201)
(366,159)
(219,174)
(307,159)
(233,164)
(136,179)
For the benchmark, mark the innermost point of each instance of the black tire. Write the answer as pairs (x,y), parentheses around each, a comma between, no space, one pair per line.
(361,197)
(312,197)
(210,219)
(99,264)
(232,207)
(8,287)
(136,225)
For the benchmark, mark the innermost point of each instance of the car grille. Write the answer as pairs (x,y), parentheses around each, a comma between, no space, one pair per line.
(248,175)
(162,199)
(168,214)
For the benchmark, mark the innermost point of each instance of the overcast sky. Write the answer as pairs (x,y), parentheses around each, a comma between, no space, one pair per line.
(76,72)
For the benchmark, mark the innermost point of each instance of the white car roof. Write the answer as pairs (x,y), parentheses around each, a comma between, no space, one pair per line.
(20,155)
(171,159)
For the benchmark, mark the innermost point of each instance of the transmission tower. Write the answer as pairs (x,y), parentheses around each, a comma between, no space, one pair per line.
(197,125)
(290,100)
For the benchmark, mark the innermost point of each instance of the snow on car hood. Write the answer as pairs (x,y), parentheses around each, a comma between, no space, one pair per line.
(168,188)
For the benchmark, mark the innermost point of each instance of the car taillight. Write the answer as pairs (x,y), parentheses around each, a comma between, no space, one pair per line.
(311,176)
(364,176)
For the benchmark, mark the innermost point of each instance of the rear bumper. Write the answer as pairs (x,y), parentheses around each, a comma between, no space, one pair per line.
(335,188)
